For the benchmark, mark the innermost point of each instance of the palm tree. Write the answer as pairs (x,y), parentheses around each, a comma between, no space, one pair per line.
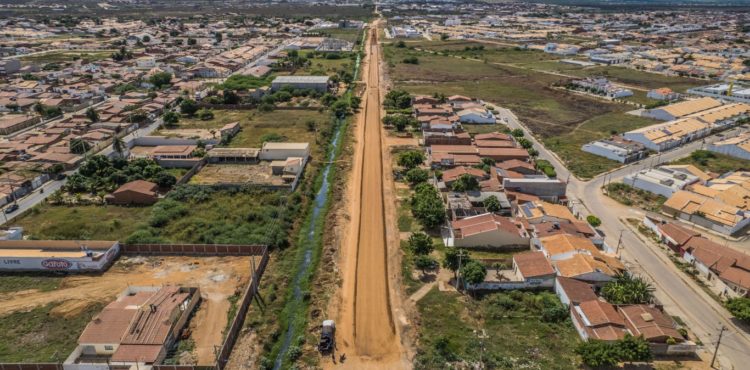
(118,146)
(627,288)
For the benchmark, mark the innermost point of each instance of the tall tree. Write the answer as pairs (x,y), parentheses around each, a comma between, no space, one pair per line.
(92,115)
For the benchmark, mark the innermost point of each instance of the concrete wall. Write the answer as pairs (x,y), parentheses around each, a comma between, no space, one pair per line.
(731,150)
(63,264)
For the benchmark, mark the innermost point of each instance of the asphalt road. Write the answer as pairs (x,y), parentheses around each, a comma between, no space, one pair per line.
(680,295)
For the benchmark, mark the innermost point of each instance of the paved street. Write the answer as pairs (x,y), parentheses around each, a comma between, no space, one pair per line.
(680,295)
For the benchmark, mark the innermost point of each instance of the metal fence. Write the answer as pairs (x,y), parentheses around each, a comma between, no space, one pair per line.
(239,318)
(194,249)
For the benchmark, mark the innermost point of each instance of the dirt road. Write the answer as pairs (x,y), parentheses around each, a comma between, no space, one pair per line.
(217,277)
(366,330)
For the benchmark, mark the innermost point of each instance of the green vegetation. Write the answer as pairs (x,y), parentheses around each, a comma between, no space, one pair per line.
(353,35)
(740,308)
(593,220)
(596,353)
(587,165)
(17,282)
(631,196)
(397,99)
(564,121)
(517,336)
(192,214)
(411,159)
(628,289)
(291,124)
(38,335)
(427,206)
(546,167)
(160,79)
(66,56)
(464,183)
(714,162)
(400,121)
(100,175)
(82,222)
(417,176)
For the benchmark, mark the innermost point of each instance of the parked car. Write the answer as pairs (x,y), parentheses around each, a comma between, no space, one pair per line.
(11,208)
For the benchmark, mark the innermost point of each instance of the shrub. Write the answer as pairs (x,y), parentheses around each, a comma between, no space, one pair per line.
(421,244)
(416,176)
(411,159)
(740,308)
(593,220)
(205,114)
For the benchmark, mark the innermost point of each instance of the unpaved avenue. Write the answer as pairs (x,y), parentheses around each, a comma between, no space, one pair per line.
(366,330)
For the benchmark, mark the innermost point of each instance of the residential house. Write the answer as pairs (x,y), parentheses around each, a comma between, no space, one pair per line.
(598,320)
(488,231)
(713,260)
(660,180)
(135,192)
(573,292)
(534,269)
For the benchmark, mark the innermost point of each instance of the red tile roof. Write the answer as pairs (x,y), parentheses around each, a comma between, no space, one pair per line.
(533,264)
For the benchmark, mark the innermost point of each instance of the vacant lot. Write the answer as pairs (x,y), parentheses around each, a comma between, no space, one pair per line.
(628,76)
(586,165)
(289,125)
(42,335)
(320,64)
(259,173)
(82,222)
(529,94)
(66,56)
(348,34)
(562,120)
(516,336)
(52,320)
(540,61)
(714,162)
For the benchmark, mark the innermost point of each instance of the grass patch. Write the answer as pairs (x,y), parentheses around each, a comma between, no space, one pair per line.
(714,162)
(321,65)
(349,34)
(66,56)
(516,335)
(244,216)
(38,336)
(630,196)
(547,111)
(92,222)
(291,124)
(221,118)
(587,165)
(23,281)
(411,284)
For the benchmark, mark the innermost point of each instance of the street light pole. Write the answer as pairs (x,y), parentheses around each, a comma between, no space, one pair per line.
(718,342)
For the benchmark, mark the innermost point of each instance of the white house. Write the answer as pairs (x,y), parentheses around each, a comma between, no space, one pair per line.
(281,151)
(660,180)
(476,115)
(738,147)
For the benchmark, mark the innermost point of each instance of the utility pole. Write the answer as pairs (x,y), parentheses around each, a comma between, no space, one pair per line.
(718,342)
(458,279)
(619,241)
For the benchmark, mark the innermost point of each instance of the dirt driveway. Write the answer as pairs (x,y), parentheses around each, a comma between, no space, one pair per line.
(217,277)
